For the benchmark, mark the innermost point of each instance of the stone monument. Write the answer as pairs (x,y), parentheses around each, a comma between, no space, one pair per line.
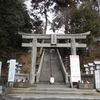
(11,73)
(97,74)
(0,68)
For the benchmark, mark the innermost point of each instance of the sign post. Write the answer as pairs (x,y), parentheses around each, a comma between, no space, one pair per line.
(75,68)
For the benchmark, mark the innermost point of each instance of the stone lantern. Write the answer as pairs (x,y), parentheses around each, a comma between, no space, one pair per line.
(91,65)
(86,68)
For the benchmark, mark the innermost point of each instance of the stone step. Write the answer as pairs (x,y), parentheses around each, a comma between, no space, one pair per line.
(48,90)
(53,91)
(54,97)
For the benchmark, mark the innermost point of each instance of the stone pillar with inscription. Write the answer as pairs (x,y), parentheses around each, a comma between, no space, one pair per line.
(33,62)
(0,77)
(99,7)
(97,74)
(11,73)
(0,68)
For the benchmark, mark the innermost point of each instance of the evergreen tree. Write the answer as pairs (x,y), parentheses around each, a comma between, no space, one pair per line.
(13,18)
(83,20)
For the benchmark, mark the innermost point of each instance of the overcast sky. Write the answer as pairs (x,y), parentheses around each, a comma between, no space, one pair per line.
(51,15)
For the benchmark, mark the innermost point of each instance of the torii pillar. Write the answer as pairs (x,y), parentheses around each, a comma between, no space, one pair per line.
(73,47)
(33,62)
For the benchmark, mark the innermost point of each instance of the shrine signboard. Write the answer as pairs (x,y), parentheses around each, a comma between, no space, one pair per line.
(75,68)
(53,39)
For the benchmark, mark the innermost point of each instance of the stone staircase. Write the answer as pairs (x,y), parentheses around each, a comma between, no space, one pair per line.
(48,90)
(51,67)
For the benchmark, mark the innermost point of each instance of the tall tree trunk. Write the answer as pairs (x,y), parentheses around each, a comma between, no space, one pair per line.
(45,27)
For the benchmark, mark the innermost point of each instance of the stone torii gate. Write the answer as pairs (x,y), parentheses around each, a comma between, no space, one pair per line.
(54,37)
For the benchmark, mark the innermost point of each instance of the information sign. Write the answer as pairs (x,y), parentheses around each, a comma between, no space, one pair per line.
(75,68)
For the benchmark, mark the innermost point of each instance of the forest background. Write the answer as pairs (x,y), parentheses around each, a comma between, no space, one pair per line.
(15,18)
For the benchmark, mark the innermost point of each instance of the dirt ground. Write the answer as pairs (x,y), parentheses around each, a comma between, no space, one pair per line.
(25,60)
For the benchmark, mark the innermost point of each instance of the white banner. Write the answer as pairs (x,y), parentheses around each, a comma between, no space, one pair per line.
(0,67)
(11,74)
(75,68)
